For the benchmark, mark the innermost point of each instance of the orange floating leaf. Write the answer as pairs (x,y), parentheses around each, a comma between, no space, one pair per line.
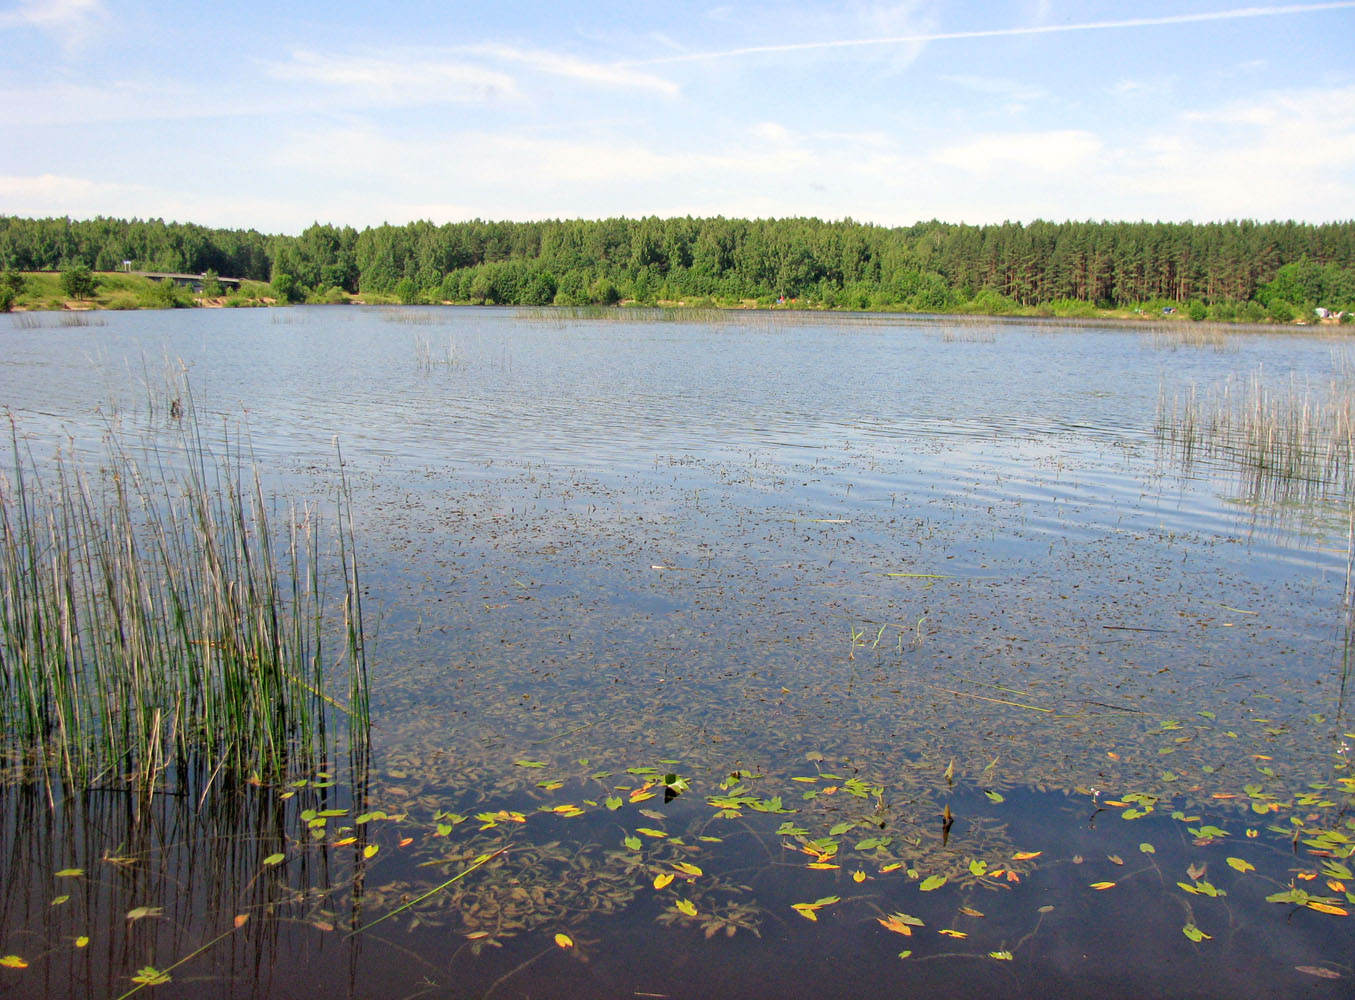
(1026,855)
(13,962)
(1327,908)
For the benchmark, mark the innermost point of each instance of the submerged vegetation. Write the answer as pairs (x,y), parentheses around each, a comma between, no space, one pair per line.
(152,619)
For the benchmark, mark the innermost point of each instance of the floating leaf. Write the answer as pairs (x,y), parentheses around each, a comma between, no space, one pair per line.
(932,882)
(663,879)
(899,923)
(952,933)
(240,920)
(969,911)
(688,869)
(58,900)
(1102,886)
(530,763)
(1026,855)
(1001,956)
(978,867)
(1195,934)
(151,976)
(634,843)
(13,962)
(1317,970)
(686,906)
(140,912)
(370,850)
(994,796)
(1338,911)
(82,941)
(1147,848)
(650,832)
(273,859)
(858,876)
(904,954)
(1240,865)
(70,873)
(564,941)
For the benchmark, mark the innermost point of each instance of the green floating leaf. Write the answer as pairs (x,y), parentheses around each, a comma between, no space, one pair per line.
(273,859)
(634,843)
(994,796)
(151,976)
(1240,865)
(1001,956)
(932,882)
(1147,848)
(70,873)
(1195,934)
(529,763)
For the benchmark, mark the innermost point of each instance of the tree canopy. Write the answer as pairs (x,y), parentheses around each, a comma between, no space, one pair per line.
(930,266)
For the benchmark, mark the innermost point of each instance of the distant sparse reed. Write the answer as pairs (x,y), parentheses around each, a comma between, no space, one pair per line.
(408,316)
(427,359)
(1194,335)
(151,616)
(951,335)
(1285,437)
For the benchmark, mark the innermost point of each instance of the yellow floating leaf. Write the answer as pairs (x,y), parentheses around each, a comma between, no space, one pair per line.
(345,841)
(1026,855)
(821,865)
(1307,876)
(1328,908)
(1103,885)
(686,906)
(660,881)
(858,876)
(688,869)
(950,933)
(893,866)
(82,941)
(370,850)
(13,962)
(1336,886)
(1240,865)
(477,935)
(805,910)
(650,832)
(564,941)
(899,923)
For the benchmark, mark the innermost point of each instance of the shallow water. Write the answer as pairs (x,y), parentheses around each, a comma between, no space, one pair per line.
(833,555)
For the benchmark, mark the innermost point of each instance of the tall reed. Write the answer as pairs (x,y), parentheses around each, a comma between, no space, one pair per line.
(150,615)
(1281,435)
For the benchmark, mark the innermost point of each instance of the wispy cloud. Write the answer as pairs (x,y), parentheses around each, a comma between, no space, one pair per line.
(1235,14)
(70,21)
(390,79)
(558,64)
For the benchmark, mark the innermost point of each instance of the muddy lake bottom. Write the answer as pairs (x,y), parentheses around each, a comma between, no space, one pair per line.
(791,657)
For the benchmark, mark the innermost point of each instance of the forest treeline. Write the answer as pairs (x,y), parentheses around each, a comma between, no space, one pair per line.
(1241,269)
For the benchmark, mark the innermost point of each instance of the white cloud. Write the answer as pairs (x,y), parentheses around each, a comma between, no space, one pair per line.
(70,21)
(397,81)
(1057,152)
(557,64)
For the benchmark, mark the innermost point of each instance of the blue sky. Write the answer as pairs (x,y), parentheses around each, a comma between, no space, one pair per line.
(275,115)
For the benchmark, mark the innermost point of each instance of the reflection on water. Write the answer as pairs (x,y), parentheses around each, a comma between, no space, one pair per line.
(773,558)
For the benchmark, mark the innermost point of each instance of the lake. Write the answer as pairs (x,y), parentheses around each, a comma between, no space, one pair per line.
(750,654)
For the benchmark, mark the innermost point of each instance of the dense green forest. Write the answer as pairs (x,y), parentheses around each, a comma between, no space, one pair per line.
(1229,270)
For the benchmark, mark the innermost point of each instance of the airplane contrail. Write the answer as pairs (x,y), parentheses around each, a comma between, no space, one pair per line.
(1236,14)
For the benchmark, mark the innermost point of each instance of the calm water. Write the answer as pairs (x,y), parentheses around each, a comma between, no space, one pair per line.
(836,575)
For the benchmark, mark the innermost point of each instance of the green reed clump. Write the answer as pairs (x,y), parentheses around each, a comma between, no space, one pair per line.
(1291,434)
(151,615)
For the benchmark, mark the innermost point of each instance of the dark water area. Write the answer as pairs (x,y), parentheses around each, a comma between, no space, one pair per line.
(754,602)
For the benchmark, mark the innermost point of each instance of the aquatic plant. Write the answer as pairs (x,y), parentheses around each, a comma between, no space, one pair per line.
(1286,435)
(150,615)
